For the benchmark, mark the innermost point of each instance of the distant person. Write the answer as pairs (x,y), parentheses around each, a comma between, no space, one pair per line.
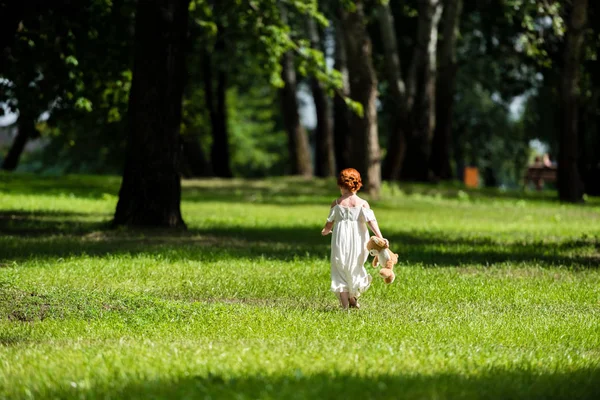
(547,162)
(350,214)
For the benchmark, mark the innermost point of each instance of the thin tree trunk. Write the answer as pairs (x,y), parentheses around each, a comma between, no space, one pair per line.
(397,137)
(446,87)
(324,156)
(298,146)
(220,146)
(341,113)
(591,181)
(26,131)
(150,192)
(570,186)
(194,162)
(365,151)
(416,162)
(219,152)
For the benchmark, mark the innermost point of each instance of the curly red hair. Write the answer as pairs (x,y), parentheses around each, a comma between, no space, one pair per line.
(349,178)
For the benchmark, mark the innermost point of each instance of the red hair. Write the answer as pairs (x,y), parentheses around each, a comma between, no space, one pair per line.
(349,178)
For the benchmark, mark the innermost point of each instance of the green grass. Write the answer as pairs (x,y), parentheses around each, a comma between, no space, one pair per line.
(497,296)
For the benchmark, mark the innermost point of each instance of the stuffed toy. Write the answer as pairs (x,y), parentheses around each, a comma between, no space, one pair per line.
(383,257)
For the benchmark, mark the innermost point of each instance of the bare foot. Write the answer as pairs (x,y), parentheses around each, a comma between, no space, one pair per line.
(353,303)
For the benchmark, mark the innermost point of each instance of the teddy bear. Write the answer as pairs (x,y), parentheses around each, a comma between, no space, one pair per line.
(384,257)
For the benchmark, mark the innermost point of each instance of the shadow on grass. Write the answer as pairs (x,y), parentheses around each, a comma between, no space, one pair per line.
(497,383)
(40,223)
(275,190)
(82,186)
(60,234)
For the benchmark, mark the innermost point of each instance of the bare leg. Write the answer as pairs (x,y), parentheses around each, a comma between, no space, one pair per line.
(343,300)
(353,301)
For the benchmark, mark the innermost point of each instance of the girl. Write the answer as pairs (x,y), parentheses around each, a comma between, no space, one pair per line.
(351,214)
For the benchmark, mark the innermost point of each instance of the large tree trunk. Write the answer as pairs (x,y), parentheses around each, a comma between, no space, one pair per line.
(324,157)
(26,131)
(446,87)
(219,154)
(422,92)
(150,192)
(570,186)
(364,150)
(397,137)
(341,113)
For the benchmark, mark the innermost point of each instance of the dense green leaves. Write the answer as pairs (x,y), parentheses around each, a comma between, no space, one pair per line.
(71,65)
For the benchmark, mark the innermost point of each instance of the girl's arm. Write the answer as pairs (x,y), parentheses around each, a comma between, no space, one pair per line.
(327,228)
(375,227)
(329,225)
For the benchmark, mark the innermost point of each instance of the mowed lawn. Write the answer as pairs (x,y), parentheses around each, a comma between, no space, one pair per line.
(497,296)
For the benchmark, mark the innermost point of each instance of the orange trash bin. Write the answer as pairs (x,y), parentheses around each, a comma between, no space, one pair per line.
(471,177)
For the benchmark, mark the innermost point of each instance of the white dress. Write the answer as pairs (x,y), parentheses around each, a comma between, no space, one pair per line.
(349,249)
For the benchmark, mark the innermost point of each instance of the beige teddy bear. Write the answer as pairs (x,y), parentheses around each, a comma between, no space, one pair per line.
(384,257)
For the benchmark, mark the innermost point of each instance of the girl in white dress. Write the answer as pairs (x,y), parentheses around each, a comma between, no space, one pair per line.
(351,215)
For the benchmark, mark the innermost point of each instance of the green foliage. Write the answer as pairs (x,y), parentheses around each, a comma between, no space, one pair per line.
(487,137)
(496,296)
(77,73)
(73,64)
(258,146)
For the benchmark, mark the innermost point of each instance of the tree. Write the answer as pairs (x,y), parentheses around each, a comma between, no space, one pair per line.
(341,112)
(413,95)
(298,146)
(26,130)
(217,110)
(364,146)
(150,192)
(400,119)
(570,186)
(446,88)
(324,155)
(70,63)
(421,92)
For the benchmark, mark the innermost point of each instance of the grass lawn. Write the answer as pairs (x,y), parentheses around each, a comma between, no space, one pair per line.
(497,296)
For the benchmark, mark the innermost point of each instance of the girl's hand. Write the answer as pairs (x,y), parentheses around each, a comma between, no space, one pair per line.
(325,232)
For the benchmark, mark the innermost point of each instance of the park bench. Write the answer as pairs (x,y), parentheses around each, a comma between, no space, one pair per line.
(538,175)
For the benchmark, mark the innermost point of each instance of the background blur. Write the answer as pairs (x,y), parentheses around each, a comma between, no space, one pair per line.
(414,90)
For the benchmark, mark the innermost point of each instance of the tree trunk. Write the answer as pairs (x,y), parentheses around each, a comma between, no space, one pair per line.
(217,110)
(194,162)
(365,151)
(397,137)
(416,163)
(26,131)
(220,146)
(592,172)
(341,113)
(446,87)
(150,192)
(570,186)
(324,157)
(298,146)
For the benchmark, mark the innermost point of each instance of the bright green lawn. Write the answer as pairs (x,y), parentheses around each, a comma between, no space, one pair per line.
(497,296)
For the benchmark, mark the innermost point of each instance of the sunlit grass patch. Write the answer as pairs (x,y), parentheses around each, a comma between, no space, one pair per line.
(497,296)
